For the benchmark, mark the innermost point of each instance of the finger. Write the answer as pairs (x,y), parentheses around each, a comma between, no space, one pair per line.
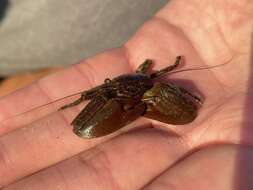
(42,144)
(127,162)
(221,168)
(74,79)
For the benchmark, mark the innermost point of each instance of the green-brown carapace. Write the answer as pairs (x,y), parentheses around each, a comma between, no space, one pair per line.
(119,101)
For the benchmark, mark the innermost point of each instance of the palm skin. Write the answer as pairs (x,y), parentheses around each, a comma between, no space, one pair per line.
(152,155)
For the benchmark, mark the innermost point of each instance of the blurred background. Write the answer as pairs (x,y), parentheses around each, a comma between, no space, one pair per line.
(40,37)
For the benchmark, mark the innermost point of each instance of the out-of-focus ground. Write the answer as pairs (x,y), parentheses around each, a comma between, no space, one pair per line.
(21,80)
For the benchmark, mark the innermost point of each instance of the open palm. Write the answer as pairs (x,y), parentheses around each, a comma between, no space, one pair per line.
(147,154)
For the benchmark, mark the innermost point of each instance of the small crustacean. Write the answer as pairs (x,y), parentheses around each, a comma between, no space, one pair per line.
(123,99)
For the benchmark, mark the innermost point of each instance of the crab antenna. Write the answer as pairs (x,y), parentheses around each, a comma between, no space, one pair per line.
(199,68)
(170,68)
(38,107)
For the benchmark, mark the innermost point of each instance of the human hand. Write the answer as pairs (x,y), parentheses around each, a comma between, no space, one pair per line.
(155,155)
